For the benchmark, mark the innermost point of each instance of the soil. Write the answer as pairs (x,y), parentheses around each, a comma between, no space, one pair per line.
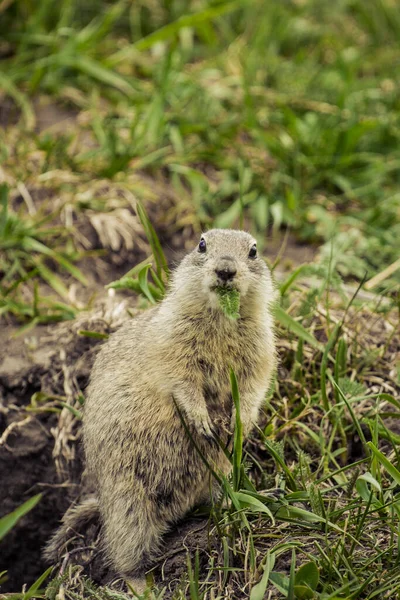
(33,456)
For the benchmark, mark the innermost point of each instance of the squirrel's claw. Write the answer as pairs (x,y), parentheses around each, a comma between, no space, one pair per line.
(206,428)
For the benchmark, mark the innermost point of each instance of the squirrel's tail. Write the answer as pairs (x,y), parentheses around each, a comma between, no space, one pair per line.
(76,517)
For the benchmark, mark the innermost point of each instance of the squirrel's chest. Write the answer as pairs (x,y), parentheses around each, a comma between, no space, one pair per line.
(210,352)
(215,356)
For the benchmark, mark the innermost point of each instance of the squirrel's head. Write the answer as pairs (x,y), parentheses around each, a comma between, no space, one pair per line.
(224,258)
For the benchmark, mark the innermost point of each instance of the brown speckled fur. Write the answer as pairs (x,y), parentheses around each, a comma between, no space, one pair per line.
(147,472)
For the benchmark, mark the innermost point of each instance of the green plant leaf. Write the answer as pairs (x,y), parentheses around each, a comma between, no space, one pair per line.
(258,590)
(238,435)
(93,334)
(254,504)
(308,575)
(72,409)
(302,592)
(280,581)
(125,283)
(9,521)
(144,286)
(290,594)
(229,301)
(34,590)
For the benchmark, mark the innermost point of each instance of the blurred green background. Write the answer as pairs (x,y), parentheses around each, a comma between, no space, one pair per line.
(263,114)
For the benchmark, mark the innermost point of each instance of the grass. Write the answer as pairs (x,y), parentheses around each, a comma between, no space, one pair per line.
(9,521)
(26,243)
(267,115)
(279,114)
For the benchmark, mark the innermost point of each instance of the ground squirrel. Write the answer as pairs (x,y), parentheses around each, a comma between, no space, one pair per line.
(146,468)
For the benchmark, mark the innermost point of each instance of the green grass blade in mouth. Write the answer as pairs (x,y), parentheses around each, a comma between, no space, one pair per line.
(229,301)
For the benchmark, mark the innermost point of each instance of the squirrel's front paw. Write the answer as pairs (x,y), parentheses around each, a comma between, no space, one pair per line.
(201,421)
(206,428)
(247,422)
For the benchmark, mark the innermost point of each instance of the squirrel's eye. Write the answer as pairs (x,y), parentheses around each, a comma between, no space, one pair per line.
(253,251)
(202,245)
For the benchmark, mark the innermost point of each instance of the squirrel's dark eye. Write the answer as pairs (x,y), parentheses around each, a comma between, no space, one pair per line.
(253,251)
(202,245)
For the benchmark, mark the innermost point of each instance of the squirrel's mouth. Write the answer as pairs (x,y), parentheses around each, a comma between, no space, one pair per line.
(226,285)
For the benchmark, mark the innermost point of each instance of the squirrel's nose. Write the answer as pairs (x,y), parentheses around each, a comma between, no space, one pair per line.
(226,273)
(226,268)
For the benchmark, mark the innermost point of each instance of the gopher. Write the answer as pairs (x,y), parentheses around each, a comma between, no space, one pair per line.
(160,395)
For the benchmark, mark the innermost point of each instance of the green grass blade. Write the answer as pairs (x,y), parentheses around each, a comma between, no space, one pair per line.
(34,590)
(290,594)
(324,363)
(52,279)
(385,462)
(278,459)
(296,328)
(258,590)
(159,257)
(238,435)
(144,286)
(9,521)
(170,30)
(351,411)
(93,334)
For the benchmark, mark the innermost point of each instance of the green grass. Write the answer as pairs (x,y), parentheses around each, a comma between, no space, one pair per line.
(9,521)
(27,242)
(267,115)
(279,114)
